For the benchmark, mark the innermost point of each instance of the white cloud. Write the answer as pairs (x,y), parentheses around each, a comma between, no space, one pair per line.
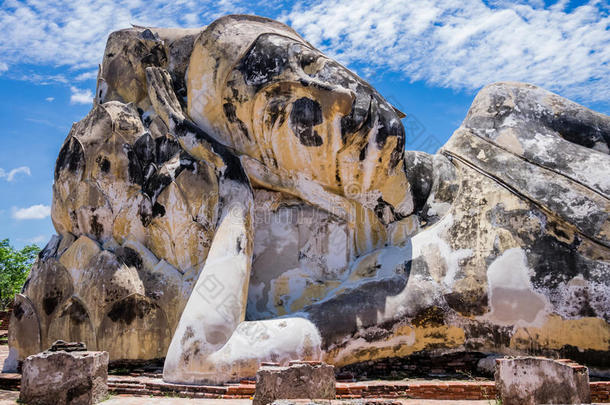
(73,32)
(86,76)
(459,44)
(3,67)
(80,96)
(10,175)
(39,211)
(49,99)
(467,44)
(38,239)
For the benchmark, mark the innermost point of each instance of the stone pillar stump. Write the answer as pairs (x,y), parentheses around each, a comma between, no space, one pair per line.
(64,377)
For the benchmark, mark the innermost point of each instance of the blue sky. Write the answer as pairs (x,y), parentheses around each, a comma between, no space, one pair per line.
(428,57)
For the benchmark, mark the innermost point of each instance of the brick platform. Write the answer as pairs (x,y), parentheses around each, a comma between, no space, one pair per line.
(600,391)
(455,390)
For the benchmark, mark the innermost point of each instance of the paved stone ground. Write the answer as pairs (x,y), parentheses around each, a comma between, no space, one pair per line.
(174,401)
(10,398)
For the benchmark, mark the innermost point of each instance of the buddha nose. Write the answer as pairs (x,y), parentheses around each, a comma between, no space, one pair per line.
(342,96)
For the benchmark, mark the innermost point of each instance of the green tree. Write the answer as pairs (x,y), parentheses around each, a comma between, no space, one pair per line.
(15,266)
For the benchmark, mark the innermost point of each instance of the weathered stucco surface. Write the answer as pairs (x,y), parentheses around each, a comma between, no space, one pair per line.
(539,380)
(234,197)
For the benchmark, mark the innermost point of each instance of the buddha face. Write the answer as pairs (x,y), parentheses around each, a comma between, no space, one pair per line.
(301,113)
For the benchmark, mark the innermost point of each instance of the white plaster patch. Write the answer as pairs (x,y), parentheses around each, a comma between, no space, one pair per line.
(512,299)
(510,121)
(438,208)
(434,237)
(336,259)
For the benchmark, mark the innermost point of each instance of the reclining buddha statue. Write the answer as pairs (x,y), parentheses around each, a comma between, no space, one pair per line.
(236,197)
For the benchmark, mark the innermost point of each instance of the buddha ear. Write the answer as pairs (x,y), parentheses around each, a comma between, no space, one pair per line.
(162,95)
(401,115)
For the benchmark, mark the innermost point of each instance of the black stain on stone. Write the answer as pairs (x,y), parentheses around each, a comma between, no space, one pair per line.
(578,129)
(480,334)
(18,311)
(103,163)
(275,110)
(419,172)
(71,157)
(146,149)
(148,172)
(362,155)
(97,229)
(134,169)
(148,35)
(49,250)
(554,261)
(156,184)
(167,148)
(265,60)
(306,113)
(584,300)
(385,212)
(77,312)
(594,358)
(233,170)
(358,115)
(468,303)
(50,301)
(158,210)
(549,254)
(239,247)
(229,110)
(130,308)
(187,162)
(359,308)
(129,257)
(156,57)
(389,126)
(145,211)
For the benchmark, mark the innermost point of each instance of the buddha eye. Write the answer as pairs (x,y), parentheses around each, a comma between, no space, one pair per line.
(309,61)
(265,60)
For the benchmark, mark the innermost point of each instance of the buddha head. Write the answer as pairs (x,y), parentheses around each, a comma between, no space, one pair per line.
(260,88)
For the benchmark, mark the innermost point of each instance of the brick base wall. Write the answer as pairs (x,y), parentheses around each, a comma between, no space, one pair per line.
(600,391)
(418,365)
